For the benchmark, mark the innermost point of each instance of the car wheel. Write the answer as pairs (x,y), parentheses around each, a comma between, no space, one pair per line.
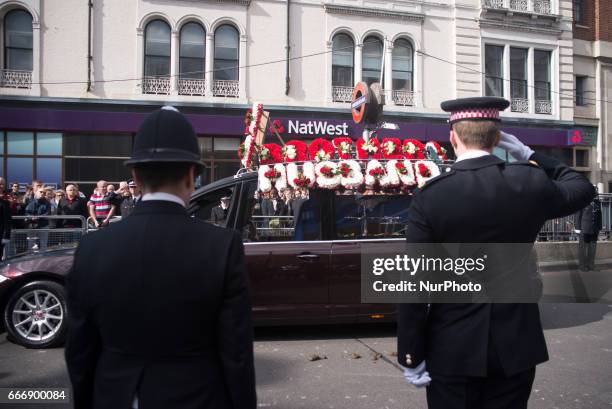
(35,315)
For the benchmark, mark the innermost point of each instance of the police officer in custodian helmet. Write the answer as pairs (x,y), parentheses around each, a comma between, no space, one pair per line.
(159,314)
(482,355)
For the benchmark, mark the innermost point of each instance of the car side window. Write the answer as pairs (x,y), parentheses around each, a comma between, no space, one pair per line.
(215,206)
(370,216)
(286,216)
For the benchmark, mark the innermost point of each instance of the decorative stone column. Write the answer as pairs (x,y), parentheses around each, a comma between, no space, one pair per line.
(358,63)
(174,62)
(36,53)
(388,74)
(208,64)
(139,61)
(242,72)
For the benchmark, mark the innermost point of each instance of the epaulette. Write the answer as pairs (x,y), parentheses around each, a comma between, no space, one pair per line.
(445,171)
(525,163)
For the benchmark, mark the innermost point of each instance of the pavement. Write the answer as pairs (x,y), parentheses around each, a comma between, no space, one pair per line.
(321,367)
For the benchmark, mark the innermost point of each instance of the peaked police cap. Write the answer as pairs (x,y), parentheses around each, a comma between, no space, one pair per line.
(165,136)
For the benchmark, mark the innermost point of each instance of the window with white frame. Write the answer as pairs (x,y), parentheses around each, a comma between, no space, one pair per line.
(542,82)
(192,51)
(580,90)
(343,49)
(157,58)
(157,49)
(18,41)
(494,70)
(402,64)
(226,53)
(523,73)
(372,55)
(518,80)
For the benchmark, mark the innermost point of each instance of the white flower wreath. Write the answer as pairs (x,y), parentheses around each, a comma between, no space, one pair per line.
(407,179)
(391,179)
(433,170)
(266,183)
(354,180)
(369,179)
(325,182)
(293,171)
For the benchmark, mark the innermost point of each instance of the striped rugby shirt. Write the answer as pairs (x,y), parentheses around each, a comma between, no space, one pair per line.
(102,205)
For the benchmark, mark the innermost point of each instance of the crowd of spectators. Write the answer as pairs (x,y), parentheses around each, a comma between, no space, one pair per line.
(104,205)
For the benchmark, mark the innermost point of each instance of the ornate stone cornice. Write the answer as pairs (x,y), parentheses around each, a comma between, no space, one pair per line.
(519,27)
(372,12)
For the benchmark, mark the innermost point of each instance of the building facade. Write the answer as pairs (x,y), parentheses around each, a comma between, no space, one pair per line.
(78,76)
(593,85)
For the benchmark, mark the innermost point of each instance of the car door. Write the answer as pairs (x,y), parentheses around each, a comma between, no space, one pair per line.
(362,223)
(287,259)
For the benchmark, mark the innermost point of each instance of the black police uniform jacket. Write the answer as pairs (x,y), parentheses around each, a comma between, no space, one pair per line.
(484,200)
(158,306)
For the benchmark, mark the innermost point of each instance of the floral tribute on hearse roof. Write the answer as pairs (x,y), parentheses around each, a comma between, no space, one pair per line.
(368,166)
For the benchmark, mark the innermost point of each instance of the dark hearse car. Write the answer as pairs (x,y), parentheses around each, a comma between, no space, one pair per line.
(303,268)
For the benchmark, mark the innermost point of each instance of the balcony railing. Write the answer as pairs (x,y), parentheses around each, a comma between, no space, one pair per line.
(403,97)
(342,94)
(15,79)
(543,107)
(156,85)
(226,88)
(519,105)
(542,6)
(191,86)
(526,6)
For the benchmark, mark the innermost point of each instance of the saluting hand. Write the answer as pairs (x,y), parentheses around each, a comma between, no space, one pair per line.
(513,146)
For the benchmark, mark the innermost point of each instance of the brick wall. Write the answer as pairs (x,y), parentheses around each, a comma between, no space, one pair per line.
(585,29)
(603,20)
(596,22)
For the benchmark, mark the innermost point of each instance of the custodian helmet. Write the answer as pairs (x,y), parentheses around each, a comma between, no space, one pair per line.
(165,136)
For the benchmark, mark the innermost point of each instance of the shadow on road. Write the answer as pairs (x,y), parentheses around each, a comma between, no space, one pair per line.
(556,316)
(322,332)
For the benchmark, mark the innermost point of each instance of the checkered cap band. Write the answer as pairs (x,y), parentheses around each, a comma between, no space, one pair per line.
(478,113)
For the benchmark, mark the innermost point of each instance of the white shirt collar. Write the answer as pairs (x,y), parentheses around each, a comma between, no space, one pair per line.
(168,197)
(471,154)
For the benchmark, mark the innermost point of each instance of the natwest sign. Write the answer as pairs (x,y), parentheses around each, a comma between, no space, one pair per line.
(316,128)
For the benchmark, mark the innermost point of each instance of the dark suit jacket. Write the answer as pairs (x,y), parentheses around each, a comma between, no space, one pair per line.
(218,215)
(484,200)
(267,207)
(5,220)
(588,219)
(172,325)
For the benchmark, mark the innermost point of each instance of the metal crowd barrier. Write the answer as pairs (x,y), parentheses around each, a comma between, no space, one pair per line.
(271,227)
(562,229)
(43,233)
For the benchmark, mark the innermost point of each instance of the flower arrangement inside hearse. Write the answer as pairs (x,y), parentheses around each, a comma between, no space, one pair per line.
(388,167)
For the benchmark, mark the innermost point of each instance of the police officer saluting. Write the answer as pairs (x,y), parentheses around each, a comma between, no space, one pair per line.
(473,356)
(172,327)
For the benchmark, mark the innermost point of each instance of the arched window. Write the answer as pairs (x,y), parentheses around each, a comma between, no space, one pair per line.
(371,59)
(402,65)
(342,60)
(157,49)
(18,41)
(192,51)
(226,53)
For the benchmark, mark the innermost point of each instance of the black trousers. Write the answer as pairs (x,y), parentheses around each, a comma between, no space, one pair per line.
(495,391)
(587,247)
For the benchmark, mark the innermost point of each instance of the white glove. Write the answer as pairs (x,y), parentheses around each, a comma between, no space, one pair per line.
(577,231)
(418,376)
(513,146)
